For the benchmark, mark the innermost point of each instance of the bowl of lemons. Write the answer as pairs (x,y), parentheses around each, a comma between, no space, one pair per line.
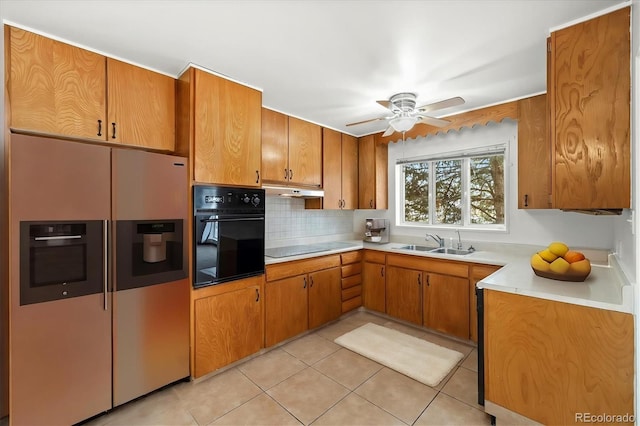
(558,262)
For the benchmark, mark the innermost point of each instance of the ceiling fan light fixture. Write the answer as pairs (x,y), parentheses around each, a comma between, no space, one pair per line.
(403,124)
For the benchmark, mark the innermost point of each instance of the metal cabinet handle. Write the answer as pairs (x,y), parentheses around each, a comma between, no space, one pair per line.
(311,285)
(290,174)
(526,200)
(419,279)
(382,271)
(257,295)
(257,176)
(105,259)
(99,127)
(113,134)
(305,282)
(370,203)
(428,283)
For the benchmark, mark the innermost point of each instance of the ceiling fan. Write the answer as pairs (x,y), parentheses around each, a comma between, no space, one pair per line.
(406,115)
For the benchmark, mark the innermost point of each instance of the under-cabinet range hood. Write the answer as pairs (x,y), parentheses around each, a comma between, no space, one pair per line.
(292,192)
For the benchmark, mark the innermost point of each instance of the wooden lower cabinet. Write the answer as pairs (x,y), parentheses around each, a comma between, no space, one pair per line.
(228,325)
(325,297)
(351,281)
(373,281)
(300,295)
(286,309)
(446,304)
(404,294)
(549,360)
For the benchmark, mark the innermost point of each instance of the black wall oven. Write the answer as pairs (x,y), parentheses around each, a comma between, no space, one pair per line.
(228,240)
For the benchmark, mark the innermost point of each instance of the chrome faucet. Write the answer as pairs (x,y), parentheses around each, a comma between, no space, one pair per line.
(437,238)
(459,240)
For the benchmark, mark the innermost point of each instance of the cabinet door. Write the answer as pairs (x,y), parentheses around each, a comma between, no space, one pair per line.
(372,173)
(325,296)
(349,172)
(305,152)
(446,304)
(373,282)
(275,146)
(55,88)
(228,327)
(549,360)
(227,132)
(591,113)
(404,294)
(332,169)
(142,106)
(534,154)
(286,309)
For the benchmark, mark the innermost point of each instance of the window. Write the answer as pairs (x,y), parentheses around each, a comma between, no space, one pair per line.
(463,190)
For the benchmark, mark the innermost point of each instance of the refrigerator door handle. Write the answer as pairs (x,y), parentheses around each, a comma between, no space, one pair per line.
(105,260)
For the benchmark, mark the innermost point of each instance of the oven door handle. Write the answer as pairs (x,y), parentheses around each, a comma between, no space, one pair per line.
(239,219)
(59,237)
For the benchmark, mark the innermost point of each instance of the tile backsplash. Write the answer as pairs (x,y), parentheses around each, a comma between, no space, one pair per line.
(286,219)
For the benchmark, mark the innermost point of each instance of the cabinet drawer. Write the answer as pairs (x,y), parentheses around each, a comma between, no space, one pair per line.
(351,257)
(374,256)
(353,269)
(351,304)
(352,292)
(457,269)
(351,281)
(299,267)
(479,272)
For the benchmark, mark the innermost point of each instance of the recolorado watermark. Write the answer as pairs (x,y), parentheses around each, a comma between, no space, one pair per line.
(604,418)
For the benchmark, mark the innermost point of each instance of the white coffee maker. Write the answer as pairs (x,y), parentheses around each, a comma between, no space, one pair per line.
(376,231)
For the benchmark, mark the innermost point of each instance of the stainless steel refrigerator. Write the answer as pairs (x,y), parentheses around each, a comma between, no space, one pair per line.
(99,296)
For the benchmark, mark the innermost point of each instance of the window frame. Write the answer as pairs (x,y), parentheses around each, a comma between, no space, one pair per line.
(465,156)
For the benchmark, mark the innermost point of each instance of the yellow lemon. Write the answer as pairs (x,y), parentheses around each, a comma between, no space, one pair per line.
(539,263)
(547,255)
(559,249)
(559,266)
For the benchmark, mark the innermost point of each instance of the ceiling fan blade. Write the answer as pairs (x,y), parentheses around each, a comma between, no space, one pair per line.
(390,130)
(370,120)
(447,103)
(386,104)
(432,121)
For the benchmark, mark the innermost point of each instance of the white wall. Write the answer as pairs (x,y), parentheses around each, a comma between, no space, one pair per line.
(539,227)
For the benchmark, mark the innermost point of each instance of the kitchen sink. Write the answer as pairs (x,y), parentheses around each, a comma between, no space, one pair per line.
(440,250)
(450,251)
(416,248)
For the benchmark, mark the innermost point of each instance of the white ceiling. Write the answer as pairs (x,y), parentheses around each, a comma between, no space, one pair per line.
(326,61)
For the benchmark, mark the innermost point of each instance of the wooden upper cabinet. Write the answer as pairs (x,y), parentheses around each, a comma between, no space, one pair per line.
(55,88)
(142,105)
(349,172)
(227,120)
(339,170)
(305,153)
(590,113)
(275,146)
(534,154)
(372,173)
(332,169)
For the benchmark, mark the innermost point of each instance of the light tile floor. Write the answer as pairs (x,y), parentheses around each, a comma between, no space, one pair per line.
(313,381)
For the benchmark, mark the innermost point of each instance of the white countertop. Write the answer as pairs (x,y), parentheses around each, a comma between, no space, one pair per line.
(604,288)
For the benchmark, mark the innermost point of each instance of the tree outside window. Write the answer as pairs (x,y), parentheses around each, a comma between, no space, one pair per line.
(460,191)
